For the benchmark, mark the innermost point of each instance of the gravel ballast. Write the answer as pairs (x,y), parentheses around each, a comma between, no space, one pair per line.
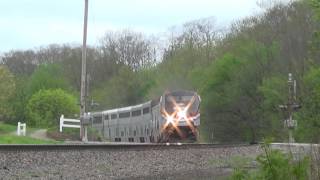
(166,163)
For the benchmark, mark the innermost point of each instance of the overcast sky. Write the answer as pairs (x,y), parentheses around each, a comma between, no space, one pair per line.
(26,24)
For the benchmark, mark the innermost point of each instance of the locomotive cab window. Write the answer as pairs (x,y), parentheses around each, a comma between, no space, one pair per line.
(106,117)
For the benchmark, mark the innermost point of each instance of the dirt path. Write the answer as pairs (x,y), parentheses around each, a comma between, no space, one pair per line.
(40,134)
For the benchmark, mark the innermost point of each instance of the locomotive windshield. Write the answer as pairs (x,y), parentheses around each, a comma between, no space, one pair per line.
(182,100)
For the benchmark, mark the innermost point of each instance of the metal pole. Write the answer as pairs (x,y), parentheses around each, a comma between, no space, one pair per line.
(83,75)
(291,97)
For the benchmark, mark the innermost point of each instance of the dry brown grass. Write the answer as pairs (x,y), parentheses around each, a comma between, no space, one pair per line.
(315,162)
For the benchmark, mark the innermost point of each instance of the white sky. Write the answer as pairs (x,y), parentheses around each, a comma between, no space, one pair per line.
(26,24)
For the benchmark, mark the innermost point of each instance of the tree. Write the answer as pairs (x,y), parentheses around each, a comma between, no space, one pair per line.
(128,48)
(45,107)
(274,92)
(127,88)
(20,62)
(232,108)
(316,7)
(308,117)
(19,100)
(7,89)
(199,35)
(47,76)
(315,43)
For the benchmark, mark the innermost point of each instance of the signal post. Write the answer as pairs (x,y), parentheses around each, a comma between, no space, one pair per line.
(289,108)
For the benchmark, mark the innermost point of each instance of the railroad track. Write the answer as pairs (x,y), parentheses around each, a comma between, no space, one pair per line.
(112,146)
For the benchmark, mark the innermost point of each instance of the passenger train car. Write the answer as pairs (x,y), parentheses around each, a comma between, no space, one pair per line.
(173,117)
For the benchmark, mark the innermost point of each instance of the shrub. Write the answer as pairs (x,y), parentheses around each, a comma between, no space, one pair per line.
(275,165)
(46,106)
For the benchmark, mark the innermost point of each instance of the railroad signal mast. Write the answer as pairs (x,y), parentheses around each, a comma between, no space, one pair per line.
(291,107)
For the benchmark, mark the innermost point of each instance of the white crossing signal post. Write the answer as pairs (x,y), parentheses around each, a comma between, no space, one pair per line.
(21,129)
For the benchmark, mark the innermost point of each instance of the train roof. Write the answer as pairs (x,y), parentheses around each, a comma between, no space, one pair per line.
(124,109)
(181,93)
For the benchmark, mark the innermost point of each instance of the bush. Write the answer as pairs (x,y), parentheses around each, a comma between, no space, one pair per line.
(46,106)
(275,165)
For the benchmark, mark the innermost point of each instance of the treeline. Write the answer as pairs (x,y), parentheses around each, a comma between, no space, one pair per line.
(240,74)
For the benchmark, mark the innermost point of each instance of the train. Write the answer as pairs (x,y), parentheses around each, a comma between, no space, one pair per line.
(173,117)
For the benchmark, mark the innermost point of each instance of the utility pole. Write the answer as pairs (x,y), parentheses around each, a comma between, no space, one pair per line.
(83,129)
(290,108)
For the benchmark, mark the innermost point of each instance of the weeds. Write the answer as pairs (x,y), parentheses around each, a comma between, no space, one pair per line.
(277,165)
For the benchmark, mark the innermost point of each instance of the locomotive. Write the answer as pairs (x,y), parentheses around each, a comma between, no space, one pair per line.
(174,116)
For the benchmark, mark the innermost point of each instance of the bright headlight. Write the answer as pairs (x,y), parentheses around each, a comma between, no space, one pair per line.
(169,119)
(182,115)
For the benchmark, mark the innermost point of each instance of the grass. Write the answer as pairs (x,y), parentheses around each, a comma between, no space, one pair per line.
(7,136)
(13,139)
(7,128)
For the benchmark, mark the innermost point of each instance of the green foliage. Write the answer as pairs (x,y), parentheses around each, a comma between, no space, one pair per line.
(274,93)
(172,74)
(45,107)
(7,88)
(275,165)
(316,7)
(47,76)
(240,174)
(19,100)
(127,88)
(308,116)
(312,79)
(314,45)
(6,128)
(231,96)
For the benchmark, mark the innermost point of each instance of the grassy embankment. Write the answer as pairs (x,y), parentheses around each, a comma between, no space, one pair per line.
(7,136)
